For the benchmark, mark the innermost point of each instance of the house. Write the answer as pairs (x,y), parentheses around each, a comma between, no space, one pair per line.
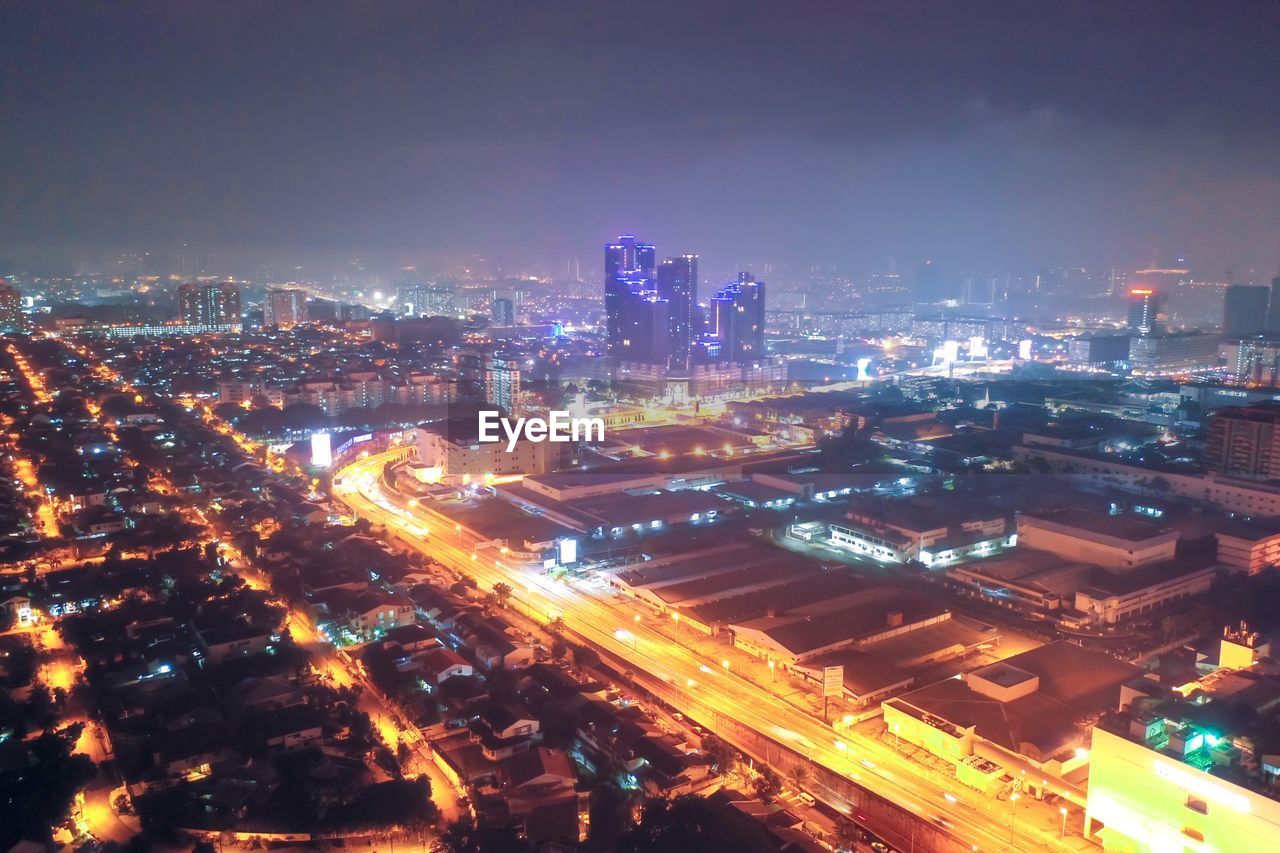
(556,684)
(371,614)
(97,521)
(539,786)
(495,650)
(439,665)
(17,606)
(611,733)
(504,730)
(535,773)
(414,637)
(459,698)
(292,728)
(233,639)
(668,769)
(192,752)
(265,694)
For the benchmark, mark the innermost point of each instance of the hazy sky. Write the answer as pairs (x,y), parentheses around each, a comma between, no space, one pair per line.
(988,135)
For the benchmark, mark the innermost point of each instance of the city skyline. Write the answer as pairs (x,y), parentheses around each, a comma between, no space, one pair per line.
(716,426)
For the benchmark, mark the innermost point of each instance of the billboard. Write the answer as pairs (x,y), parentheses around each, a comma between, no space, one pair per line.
(321,449)
(832,681)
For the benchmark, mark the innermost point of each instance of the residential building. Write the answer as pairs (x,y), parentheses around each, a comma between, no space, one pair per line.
(1253,361)
(284,308)
(11,319)
(1244,441)
(502,383)
(209,304)
(676,281)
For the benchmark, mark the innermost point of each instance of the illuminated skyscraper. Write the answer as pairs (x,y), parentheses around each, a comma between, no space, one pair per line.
(209,304)
(502,383)
(1144,306)
(628,256)
(677,283)
(10,309)
(631,303)
(426,300)
(737,312)
(503,312)
(284,308)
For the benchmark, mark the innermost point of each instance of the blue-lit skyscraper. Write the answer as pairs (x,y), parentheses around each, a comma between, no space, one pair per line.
(737,313)
(628,256)
(637,315)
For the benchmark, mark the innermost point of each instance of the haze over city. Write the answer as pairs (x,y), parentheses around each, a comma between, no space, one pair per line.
(861,137)
(699,427)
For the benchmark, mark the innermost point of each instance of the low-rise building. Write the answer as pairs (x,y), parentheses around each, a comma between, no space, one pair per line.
(937,530)
(1026,714)
(1249,498)
(1115,541)
(1247,547)
(1111,598)
(849,621)
(454,450)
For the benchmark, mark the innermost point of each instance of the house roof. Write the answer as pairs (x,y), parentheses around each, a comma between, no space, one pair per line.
(531,764)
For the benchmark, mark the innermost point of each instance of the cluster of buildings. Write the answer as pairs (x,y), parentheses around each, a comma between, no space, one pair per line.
(660,338)
(356,389)
(1146,347)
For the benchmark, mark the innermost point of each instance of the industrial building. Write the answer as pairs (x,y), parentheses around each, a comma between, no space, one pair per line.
(1192,768)
(1019,724)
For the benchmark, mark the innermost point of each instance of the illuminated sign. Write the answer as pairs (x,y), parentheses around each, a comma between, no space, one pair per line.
(1024,350)
(321,449)
(352,442)
(832,680)
(1202,786)
(568,551)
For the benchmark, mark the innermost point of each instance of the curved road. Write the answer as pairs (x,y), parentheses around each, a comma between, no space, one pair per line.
(977,821)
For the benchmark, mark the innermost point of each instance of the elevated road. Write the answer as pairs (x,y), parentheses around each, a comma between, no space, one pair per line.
(858,776)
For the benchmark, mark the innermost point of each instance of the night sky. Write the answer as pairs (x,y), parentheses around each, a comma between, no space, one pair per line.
(986,135)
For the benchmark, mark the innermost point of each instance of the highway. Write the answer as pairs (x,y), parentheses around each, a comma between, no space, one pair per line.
(705,689)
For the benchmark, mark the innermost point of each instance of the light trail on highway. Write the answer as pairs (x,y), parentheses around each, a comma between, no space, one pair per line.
(704,689)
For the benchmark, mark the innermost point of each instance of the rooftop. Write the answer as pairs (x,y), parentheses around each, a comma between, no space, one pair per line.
(846,619)
(1075,683)
(1126,527)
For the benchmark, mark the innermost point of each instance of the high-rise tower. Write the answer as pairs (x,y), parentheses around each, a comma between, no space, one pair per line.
(216,304)
(737,312)
(1144,306)
(1244,311)
(677,283)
